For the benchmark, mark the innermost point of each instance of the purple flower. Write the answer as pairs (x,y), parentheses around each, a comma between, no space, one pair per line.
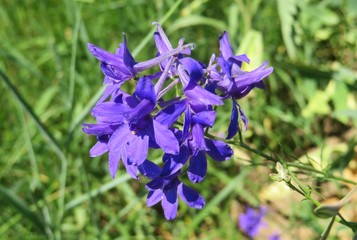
(235,83)
(117,67)
(252,221)
(197,169)
(129,124)
(126,129)
(274,236)
(167,189)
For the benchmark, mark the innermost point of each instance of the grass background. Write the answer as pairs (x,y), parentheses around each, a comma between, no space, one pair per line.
(50,188)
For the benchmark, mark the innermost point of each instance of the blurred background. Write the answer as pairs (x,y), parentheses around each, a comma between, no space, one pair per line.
(50,187)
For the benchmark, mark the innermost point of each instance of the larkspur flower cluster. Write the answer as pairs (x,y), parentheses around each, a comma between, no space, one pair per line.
(128,125)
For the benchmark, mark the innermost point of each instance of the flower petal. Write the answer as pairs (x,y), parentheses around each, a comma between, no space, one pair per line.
(169,203)
(119,138)
(138,149)
(173,163)
(243,117)
(113,162)
(225,46)
(193,68)
(239,59)
(164,137)
(98,149)
(126,55)
(186,124)
(218,150)
(190,197)
(154,197)
(145,89)
(108,91)
(170,114)
(99,129)
(109,112)
(130,169)
(200,96)
(104,56)
(233,125)
(204,118)
(198,140)
(198,167)
(149,169)
(143,109)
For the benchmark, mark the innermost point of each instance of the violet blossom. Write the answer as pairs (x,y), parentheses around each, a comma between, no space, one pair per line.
(128,125)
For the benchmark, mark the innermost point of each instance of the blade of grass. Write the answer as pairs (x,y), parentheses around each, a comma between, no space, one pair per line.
(36,176)
(104,188)
(48,136)
(213,204)
(197,20)
(72,72)
(23,208)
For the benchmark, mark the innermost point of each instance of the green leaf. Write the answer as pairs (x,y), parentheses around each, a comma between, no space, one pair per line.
(287,9)
(252,45)
(189,21)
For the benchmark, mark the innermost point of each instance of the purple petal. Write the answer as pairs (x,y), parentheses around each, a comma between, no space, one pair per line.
(104,56)
(119,138)
(190,197)
(107,92)
(113,162)
(225,46)
(193,68)
(243,117)
(119,72)
(138,149)
(149,169)
(145,89)
(162,42)
(239,59)
(186,124)
(98,149)
(198,140)
(109,112)
(198,167)
(99,129)
(225,66)
(169,203)
(164,138)
(253,77)
(143,109)
(170,114)
(173,163)
(154,197)
(200,96)
(130,169)
(218,150)
(205,118)
(156,183)
(233,125)
(126,55)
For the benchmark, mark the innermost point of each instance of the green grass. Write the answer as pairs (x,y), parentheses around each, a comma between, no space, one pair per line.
(51,189)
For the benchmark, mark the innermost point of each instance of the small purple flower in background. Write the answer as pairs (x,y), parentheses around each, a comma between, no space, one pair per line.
(274,236)
(251,221)
(128,125)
